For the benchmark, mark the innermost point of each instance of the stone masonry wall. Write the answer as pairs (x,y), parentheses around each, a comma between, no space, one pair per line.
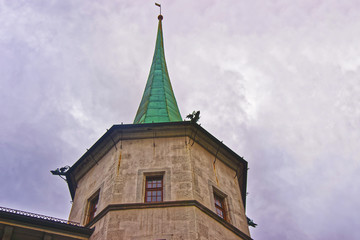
(188,174)
(100,177)
(175,223)
(119,179)
(147,224)
(208,228)
(222,178)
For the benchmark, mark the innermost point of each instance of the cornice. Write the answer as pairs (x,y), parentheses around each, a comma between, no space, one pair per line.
(168,204)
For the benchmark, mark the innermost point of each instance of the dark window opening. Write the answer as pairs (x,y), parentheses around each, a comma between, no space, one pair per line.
(154,189)
(93,205)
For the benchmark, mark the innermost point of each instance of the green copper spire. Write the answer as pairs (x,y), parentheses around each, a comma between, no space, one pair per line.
(158,103)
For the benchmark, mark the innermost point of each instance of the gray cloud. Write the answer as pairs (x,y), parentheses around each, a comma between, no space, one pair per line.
(276,81)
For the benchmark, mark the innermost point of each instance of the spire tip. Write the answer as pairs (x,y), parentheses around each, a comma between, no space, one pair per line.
(160,17)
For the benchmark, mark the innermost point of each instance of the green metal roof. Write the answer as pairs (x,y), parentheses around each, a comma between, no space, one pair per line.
(158,103)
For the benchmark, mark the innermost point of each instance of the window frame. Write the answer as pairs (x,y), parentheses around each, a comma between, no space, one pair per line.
(148,172)
(221,207)
(227,201)
(93,206)
(150,180)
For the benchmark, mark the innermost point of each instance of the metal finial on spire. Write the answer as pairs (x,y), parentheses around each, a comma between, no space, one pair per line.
(159,5)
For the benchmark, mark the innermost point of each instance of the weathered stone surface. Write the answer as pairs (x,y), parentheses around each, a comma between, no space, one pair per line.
(189,174)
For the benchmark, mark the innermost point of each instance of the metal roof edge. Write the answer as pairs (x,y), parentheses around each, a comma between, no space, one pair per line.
(27,218)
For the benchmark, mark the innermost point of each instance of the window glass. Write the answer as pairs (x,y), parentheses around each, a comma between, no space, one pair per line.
(220,206)
(154,189)
(93,205)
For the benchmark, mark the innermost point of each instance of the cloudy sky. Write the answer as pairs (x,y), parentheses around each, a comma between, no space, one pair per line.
(277,81)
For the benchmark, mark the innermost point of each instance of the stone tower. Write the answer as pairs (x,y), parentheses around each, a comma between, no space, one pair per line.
(160,177)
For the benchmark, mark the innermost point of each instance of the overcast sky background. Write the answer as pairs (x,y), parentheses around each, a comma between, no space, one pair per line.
(277,81)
